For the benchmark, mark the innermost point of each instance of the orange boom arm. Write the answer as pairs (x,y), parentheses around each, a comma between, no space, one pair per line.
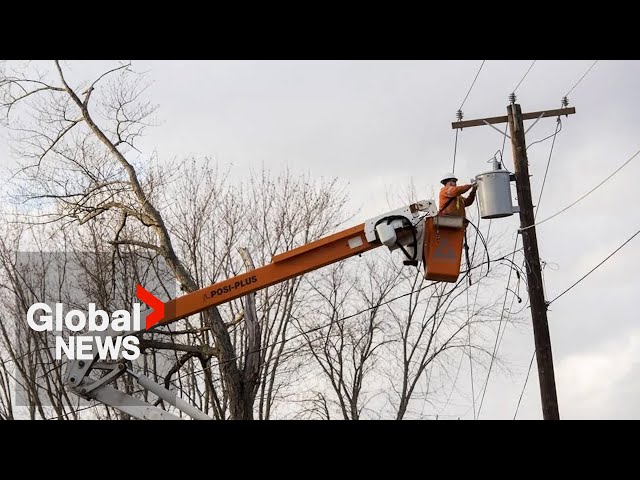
(311,256)
(402,228)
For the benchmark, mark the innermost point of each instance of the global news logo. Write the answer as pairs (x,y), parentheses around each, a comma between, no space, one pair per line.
(104,334)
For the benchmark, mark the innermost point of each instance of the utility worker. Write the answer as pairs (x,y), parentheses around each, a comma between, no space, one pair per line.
(451,200)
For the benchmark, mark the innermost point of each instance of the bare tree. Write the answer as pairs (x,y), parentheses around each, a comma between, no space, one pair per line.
(81,160)
(213,221)
(30,365)
(289,211)
(6,398)
(435,324)
(346,330)
(81,167)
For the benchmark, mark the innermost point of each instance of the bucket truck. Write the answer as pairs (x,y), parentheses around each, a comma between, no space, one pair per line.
(417,230)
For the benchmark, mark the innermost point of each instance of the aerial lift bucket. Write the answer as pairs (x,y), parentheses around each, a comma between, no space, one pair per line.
(443,242)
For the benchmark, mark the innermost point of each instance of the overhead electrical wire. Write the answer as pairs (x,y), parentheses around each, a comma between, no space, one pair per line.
(547,138)
(557,297)
(581,78)
(496,344)
(478,235)
(585,195)
(525,384)
(558,129)
(594,268)
(459,115)
(455,150)
(472,84)
(546,171)
(473,392)
(525,75)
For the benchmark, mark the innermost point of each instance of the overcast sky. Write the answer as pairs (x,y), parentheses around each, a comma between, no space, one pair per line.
(378,125)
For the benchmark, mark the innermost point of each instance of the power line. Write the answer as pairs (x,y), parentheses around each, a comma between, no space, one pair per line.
(558,129)
(484,242)
(459,115)
(469,331)
(546,138)
(525,383)
(504,141)
(585,195)
(473,394)
(455,150)
(485,384)
(594,268)
(558,125)
(472,84)
(549,303)
(455,380)
(585,74)
(525,75)
(496,344)
(478,235)
(534,352)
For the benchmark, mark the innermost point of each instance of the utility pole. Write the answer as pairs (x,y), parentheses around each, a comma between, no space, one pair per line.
(542,340)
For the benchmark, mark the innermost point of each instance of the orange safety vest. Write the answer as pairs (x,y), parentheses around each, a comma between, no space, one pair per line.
(458,205)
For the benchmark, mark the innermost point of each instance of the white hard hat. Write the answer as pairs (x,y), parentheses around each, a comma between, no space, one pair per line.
(448,176)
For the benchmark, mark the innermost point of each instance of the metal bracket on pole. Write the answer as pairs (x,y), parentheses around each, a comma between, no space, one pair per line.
(537,120)
(497,129)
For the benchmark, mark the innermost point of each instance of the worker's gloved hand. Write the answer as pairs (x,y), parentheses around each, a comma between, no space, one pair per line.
(474,182)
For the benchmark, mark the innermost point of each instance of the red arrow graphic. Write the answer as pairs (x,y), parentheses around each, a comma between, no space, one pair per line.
(155,303)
